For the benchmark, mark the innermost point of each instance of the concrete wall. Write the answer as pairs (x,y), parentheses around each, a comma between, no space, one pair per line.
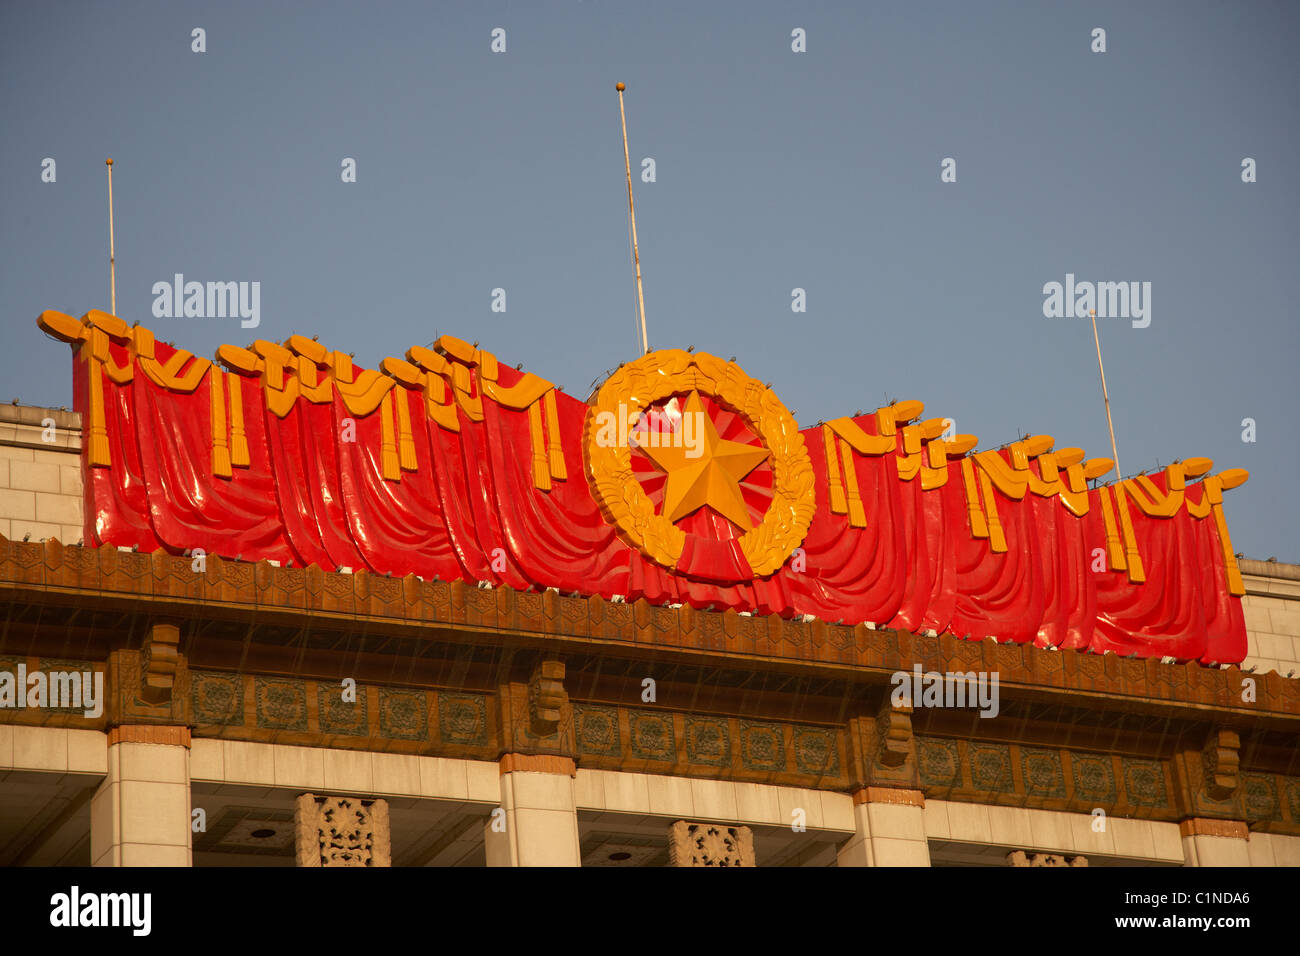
(40,479)
(1272,606)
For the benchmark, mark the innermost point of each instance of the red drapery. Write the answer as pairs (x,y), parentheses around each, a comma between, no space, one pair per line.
(470,509)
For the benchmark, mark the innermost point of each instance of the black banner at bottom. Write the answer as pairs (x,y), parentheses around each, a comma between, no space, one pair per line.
(258,905)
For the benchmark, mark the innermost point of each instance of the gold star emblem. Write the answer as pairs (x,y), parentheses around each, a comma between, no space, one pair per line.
(711,476)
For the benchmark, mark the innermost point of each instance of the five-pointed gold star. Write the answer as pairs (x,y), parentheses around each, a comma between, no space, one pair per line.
(710,478)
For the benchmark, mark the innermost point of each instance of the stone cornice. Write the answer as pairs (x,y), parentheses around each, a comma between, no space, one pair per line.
(163,584)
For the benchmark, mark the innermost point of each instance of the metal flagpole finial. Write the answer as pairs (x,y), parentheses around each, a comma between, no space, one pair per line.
(112,257)
(636,252)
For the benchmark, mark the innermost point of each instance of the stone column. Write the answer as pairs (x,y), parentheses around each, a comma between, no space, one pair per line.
(342,831)
(1215,842)
(890,829)
(540,814)
(140,815)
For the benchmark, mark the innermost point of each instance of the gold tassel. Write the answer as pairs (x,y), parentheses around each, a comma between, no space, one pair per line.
(439,402)
(541,467)
(839,505)
(1235,583)
(558,470)
(857,516)
(407,443)
(220,453)
(238,440)
(1113,546)
(997,540)
(979,528)
(392,468)
(98,456)
(1213,494)
(1136,573)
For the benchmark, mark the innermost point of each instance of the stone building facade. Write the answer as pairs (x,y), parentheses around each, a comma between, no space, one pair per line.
(265,715)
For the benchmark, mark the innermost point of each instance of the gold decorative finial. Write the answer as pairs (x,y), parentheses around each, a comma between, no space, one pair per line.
(108,162)
(620,87)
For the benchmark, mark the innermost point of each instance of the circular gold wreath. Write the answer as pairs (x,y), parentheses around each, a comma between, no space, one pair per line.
(658,376)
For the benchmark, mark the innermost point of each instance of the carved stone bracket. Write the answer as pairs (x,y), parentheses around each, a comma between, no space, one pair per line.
(342,831)
(1021,858)
(158,659)
(546,696)
(894,727)
(150,685)
(1221,760)
(882,748)
(709,844)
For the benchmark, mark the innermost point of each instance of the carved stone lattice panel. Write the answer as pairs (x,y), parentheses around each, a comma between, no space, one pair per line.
(1021,858)
(709,844)
(342,831)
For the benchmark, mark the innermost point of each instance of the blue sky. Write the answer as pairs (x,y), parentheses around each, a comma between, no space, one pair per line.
(775,170)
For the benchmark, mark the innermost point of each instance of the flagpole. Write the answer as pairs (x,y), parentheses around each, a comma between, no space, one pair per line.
(112,258)
(1106,396)
(636,253)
